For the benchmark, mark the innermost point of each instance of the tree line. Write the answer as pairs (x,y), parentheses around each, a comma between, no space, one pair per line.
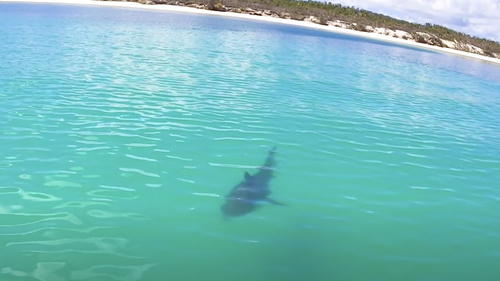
(327,11)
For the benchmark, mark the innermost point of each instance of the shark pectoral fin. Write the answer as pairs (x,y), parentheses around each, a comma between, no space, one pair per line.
(274,202)
(247,176)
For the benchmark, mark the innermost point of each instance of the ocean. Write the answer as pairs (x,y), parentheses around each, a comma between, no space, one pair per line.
(122,131)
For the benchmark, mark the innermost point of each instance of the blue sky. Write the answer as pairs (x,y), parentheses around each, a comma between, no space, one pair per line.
(475,17)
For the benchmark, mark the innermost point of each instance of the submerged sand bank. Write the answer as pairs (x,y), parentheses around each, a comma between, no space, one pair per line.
(337,29)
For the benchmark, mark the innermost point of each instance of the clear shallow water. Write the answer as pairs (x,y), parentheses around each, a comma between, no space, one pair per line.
(122,130)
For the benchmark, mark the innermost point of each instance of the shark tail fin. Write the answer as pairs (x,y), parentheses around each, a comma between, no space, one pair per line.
(272,150)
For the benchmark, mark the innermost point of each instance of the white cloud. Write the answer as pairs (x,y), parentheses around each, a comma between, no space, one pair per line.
(475,17)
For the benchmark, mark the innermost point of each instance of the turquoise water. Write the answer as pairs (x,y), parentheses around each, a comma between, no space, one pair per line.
(122,130)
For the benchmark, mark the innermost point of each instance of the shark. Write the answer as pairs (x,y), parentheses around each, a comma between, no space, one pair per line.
(247,195)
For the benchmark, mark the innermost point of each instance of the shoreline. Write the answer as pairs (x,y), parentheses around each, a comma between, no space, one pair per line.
(306,24)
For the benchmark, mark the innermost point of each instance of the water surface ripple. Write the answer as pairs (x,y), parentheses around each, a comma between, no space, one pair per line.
(122,131)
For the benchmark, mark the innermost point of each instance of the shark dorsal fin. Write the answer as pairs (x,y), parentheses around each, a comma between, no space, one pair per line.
(247,175)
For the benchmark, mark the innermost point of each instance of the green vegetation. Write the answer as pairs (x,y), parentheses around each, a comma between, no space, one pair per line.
(325,12)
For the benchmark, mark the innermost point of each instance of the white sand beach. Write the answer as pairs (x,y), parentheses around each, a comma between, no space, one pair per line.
(371,35)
